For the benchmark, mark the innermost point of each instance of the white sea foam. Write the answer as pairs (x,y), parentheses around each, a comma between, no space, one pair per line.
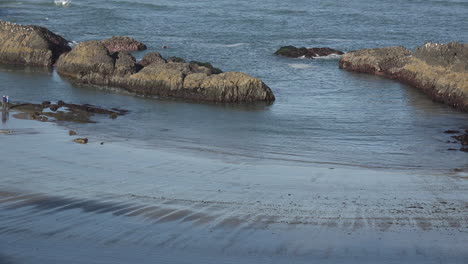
(299,65)
(234,45)
(62,2)
(329,57)
(73,43)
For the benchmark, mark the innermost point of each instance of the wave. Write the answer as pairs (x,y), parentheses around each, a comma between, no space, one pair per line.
(299,65)
(234,45)
(329,57)
(62,2)
(132,4)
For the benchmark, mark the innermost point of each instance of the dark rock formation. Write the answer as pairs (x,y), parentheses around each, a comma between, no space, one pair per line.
(463,139)
(439,70)
(450,131)
(63,111)
(293,52)
(30,45)
(91,62)
(120,43)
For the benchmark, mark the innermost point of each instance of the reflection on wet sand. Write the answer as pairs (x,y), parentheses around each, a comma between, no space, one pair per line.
(5,115)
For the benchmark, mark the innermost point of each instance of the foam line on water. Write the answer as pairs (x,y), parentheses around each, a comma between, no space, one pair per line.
(299,65)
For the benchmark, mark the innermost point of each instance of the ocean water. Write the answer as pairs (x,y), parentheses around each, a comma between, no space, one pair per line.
(322,116)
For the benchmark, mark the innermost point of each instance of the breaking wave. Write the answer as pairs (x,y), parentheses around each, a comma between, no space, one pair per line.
(62,2)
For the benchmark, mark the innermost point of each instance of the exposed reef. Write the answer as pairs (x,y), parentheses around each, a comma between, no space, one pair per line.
(310,53)
(439,70)
(61,111)
(30,45)
(91,62)
(108,63)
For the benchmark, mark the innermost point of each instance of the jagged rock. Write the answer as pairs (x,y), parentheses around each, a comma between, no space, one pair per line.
(439,70)
(122,43)
(91,62)
(30,45)
(293,52)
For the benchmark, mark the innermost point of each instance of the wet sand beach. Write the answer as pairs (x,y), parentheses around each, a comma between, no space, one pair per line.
(116,203)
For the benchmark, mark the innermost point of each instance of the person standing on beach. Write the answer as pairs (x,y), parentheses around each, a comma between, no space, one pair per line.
(7,100)
(4,102)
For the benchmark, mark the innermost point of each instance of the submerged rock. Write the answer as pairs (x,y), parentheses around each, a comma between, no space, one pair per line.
(293,52)
(63,112)
(30,45)
(439,70)
(122,43)
(91,62)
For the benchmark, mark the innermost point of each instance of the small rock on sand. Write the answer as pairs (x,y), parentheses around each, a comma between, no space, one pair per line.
(81,140)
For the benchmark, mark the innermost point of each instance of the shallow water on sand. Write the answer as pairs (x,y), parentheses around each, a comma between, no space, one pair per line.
(322,114)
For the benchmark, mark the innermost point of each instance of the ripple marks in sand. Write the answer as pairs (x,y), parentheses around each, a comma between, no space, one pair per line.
(227,216)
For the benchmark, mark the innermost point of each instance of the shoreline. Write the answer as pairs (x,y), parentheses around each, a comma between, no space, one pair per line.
(131,200)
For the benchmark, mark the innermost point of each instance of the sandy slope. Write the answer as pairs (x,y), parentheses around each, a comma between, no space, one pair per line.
(113,203)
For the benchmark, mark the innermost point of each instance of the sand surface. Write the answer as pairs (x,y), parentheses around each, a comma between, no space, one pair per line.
(115,203)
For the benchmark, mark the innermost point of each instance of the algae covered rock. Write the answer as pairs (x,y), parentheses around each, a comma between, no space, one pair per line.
(453,55)
(439,70)
(91,62)
(377,61)
(30,45)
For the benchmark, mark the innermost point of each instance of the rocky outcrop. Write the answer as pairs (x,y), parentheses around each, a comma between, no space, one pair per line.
(310,53)
(91,62)
(61,111)
(121,43)
(439,70)
(30,45)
